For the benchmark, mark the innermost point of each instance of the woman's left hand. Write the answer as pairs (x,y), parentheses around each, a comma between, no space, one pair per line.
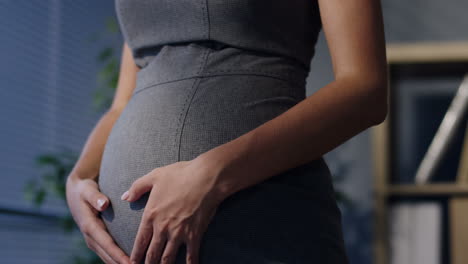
(181,203)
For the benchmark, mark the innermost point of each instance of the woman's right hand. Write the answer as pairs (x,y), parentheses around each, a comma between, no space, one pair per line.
(85,201)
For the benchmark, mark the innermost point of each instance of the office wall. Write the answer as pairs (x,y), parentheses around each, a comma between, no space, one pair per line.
(48,71)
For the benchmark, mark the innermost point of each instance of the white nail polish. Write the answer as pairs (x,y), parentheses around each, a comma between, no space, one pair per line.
(100,202)
(124,195)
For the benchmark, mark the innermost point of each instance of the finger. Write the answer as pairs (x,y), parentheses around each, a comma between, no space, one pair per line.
(91,243)
(142,239)
(99,251)
(193,248)
(138,188)
(170,251)
(155,249)
(99,234)
(95,198)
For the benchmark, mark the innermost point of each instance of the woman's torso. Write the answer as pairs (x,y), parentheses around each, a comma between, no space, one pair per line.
(287,28)
(211,72)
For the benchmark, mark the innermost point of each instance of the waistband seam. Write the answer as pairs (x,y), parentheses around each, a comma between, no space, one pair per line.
(290,80)
(224,73)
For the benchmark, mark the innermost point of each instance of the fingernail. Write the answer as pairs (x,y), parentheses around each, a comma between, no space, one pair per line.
(100,202)
(124,196)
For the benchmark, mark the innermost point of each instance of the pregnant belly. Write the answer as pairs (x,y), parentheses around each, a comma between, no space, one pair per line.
(179,120)
(190,98)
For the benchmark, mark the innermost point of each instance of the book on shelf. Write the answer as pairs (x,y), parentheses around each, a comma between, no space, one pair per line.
(415,233)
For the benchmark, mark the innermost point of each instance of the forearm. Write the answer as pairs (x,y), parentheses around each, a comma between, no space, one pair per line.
(89,161)
(303,133)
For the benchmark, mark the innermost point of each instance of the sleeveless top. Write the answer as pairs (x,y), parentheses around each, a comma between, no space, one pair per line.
(287,28)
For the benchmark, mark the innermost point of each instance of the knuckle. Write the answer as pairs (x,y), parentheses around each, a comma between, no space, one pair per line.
(86,228)
(191,235)
(152,213)
(137,182)
(182,230)
(83,195)
(164,225)
(177,235)
(158,238)
(144,238)
(89,198)
(107,242)
(89,244)
(163,228)
(150,255)
(89,228)
(146,221)
(167,258)
(190,259)
(147,226)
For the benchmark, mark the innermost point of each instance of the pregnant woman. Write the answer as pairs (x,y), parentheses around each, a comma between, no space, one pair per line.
(211,152)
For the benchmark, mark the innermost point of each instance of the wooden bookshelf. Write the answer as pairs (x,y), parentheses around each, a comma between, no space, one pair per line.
(454,57)
(427,189)
(406,53)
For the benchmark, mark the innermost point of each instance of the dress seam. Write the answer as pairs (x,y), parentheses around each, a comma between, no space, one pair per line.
(221,73)
(188,102)
(208,20)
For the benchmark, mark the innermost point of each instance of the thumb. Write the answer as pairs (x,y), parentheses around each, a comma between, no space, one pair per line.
(138,188)
(98,200)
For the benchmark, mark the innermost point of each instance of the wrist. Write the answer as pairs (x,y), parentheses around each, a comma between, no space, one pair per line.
(74,178)
(221,187)
(76,174)
(226,164)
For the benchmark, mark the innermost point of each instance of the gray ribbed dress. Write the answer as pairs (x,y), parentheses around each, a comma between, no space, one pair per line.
(213,70)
